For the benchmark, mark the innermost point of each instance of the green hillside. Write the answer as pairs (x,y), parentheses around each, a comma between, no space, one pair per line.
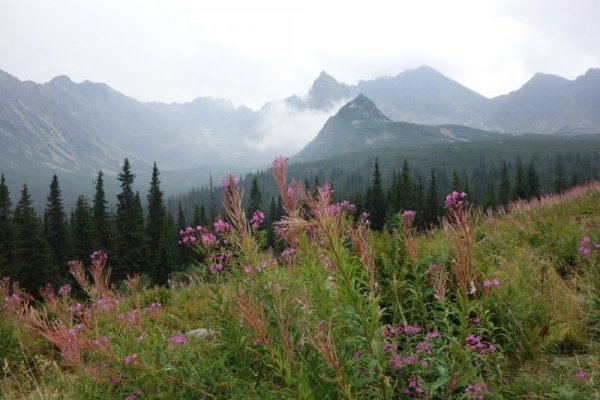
(499,306)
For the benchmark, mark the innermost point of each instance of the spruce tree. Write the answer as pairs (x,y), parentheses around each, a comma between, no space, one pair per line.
(129,228)
(520,189)
(489,198)
(377,201)
(560,182)
(55,225)
(159,265)
(533,182)
(32,265)
(255,198)
(200,216)
(81,230)
(504,191)
(455,185)
(212,204)
(6,229)
(432,205)
(102,227)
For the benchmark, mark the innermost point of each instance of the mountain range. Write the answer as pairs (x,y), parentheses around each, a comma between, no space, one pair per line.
(360,125)
(75,129)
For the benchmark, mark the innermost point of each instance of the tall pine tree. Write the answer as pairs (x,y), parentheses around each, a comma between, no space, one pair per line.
(32,265)
(560,182)
(376,201)
(55,225)
(504,191)
(81,230)
(159,260)
(533,181)
(129,228)
(432,205)
(520,189)
(254,198)
(102,226)
(6,230)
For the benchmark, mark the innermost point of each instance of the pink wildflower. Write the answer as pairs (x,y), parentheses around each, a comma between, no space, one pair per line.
(221,226)
(64,290)
(488,283)
(257,219)
(130,359)
(216,267)
(408,216)
(581,375)
(455,200)
(177,339)
(229,181)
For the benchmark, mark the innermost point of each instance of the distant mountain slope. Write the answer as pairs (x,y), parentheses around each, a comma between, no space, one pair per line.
(359,125)
(546,104)
(425,96)
(550,104)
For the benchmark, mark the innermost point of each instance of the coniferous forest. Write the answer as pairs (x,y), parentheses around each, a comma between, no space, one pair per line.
(141,235)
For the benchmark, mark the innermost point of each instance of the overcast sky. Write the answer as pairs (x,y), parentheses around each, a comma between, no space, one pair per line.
(254,51)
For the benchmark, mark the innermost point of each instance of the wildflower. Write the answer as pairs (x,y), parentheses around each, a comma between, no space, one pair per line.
(288,255)
(101,341)
(248,269)
(229,181)
(153,306)
(216,267)
(64,290)
(424,347)
(221,226)
(411,329)
(75,308)
(208,238)
(98,257)
(581,375)
(488,283)
(177,339)
(130,359)
(413,386)
(389,347)
(433,334)
(280,161)
(477,390)
(455,200)
(257,219)
(364,216)
(397,362)
(408,216)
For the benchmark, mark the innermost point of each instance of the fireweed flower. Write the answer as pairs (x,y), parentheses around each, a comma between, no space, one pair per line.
(587,247)
(177,339)
(488,283)
(229,180)
(216,267)
(75,308)
(221,226)
(408,216)
(98,256)
(455,200)
(130,359)
(475,390)
(581,375)
(257,219)
(64,290)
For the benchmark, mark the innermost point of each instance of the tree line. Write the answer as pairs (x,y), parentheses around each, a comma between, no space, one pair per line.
(142,237)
